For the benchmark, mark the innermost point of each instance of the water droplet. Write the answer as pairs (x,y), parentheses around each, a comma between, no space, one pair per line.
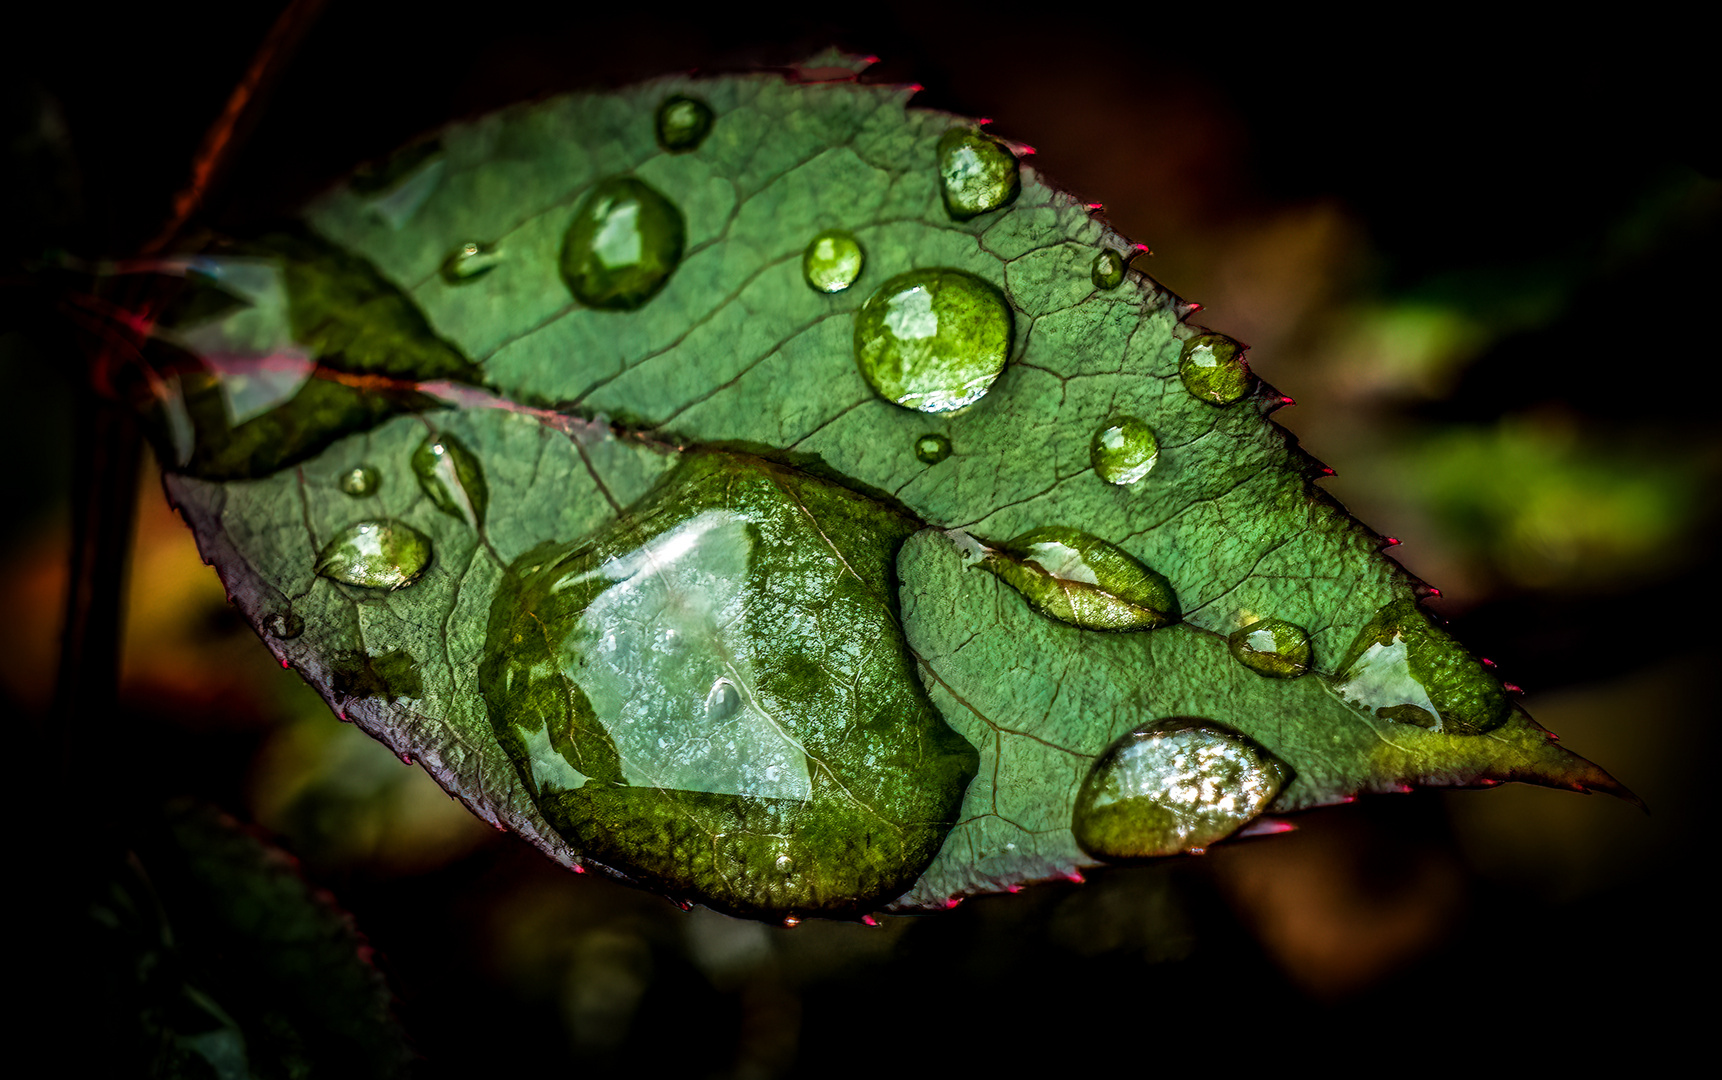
(683,123)
(470,261)
(932,448)
(451,475)
(933,340)
(1172,786)
(791,921)
(383,554)
(1108,272)
(722,702)
(977,172)
(1083,580)
(1212,367)
(1272,647)
(284,625)
(623,244)
(1403,667)
(361,481)
(1124,451)
(832,261)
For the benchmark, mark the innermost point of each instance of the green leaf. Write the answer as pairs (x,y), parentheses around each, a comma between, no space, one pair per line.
(707,601)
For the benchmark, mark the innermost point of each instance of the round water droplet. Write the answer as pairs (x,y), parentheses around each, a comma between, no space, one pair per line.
(722,702)
(383,554)
(451,475)
(1272,647)
(933,340)
(284,625)
(1403,667)
(1124,451)
(1108,272)
(977,172)
(361,482)
(1173,786)
(1212,367)
(832,261)
(932,448)
(470,261)
(1083,580)
(623,244)
(683,123)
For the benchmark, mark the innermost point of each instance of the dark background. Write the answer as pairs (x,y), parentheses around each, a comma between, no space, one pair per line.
(1479,253)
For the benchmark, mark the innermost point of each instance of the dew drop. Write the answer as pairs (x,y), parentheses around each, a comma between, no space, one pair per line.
(932,448)
(1108,272)
(1403,667)
(623,244)
(1172,786)
(1124,451)
(1212,367)
(977,172)
(832,261)
(284,625)
(1272,647)
(933,340)
(381,554)
(450,474)
(683,123)
(470,261)
(361,481)
(1083,580)
(722,702)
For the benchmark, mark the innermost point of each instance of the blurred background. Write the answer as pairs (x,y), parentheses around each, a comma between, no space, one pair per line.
(1481,259)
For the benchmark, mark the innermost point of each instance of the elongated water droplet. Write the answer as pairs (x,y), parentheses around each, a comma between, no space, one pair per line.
(1083,580)
(1124,451)
(623,244)
(683,123)
(1108,272)
(382,554)
(1212,367)
(977,172)
(933,340)
(1403,667)
(361,481)
(832,261)
(470,261)
(284,625)
(1272,647)
(932,448)
(451,475)
(1176,785)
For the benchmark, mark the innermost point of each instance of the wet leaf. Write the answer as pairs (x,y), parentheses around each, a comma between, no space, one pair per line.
(792,600)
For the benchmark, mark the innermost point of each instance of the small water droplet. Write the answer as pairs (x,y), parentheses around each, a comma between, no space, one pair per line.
(683,123)
(1392,541)
(1124,451)
(1108,272)
(722,701)
(933,340)
(832,261)
(868,920)
(791,921)
(1403,667)
(450,474)
(1083,580)
(383,554)
(932,448)
(1212,367)
(470,261)
(361,481)
(623,244)
(284,625)
(977,172)
(685,905)
(1272,647)
(1175,785)
(406,757)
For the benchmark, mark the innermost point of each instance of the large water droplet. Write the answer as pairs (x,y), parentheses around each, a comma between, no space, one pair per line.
(623,244)
(1402,667)
(933,340)
(932,448)
(1083,580)
(1176,785)
(1212,367)
(470,261)
(382,554)
(683,123)
(1108,272)
(722,701)
(977,173)
(361,481)
(1272,647)
(832,261)
(1124,451)
(451,475)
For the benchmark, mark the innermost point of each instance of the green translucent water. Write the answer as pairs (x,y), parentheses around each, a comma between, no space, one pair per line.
(683,123)
(933,340)
(1108,272)
(933,448)
(1272,647)
(380,554)
(832,261)
(1083,580)
(451,475)
(470,261)
(361,482)
(1403,667)
(977,173)
(1212,367)
(625,241)
(1124,451)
